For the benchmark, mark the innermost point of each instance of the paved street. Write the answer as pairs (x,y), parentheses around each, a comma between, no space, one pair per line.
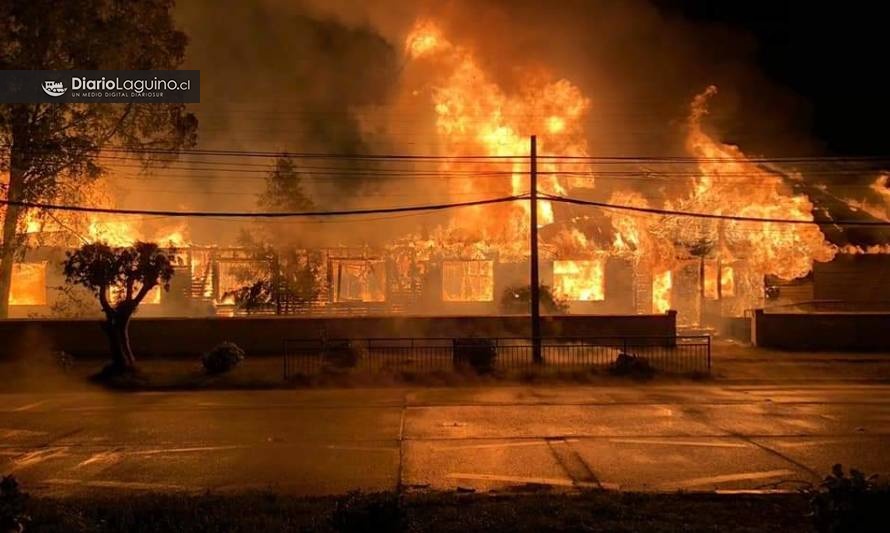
(636,437)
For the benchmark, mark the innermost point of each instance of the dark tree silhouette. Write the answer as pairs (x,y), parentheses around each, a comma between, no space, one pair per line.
(120,278)
(284,189)
(48,148)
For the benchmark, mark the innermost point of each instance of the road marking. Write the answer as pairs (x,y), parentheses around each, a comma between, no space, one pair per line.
(105,458)
(185,450)
(558,482)
(665,442)
(816,442)
(746,476)
(131,485)
(111,457)
(497,445)
(29,406)
(8,433)
(35,457)
(362,448)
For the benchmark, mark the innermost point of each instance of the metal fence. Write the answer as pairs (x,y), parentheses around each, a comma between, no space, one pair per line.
(308,357)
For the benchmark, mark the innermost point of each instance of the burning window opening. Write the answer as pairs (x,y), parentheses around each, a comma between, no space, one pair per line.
(359,280)
(579,281)
(28,284)
(152,297)
(468,281)
(661,292)
(726,281)
(233,274)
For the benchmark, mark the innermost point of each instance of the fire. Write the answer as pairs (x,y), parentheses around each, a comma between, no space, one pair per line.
(359,280)
(28,284)
(119,232)
(112,232)
(784,250)
(879,209)
(726,281)
(475,115)
(581,281)
(661,292)
(424,39)
(467,281)
(153,296)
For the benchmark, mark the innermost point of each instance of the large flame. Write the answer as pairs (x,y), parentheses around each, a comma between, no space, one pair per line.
(475,115)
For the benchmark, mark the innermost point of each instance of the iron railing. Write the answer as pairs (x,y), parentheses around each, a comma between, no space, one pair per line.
(670,354)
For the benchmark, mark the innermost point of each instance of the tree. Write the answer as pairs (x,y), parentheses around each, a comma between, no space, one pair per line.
(120,278)
(44,146)
(284,189)
(281,276)
(283,272)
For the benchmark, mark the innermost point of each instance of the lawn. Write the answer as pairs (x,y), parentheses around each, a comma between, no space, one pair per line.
(596,511)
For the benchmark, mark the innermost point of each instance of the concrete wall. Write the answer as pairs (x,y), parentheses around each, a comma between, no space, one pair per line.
(265,336)
(822,331)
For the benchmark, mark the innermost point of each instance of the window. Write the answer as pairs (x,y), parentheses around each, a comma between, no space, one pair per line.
(467,281)
(661,292)
(359,280)
(28,284)
(727,281)
(116,293)
(579,281)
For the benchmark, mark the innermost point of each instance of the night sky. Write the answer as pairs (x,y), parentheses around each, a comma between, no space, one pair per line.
(832,54)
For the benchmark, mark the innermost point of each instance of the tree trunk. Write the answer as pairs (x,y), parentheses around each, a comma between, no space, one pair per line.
(117,327)
(17,168)
(10,243)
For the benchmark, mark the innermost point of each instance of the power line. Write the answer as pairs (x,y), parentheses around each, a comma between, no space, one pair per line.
(236,214)
(655,211)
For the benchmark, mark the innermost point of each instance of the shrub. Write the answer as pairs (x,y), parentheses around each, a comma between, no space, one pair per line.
(374,512)
(849,503)
(631,365)
(63,360)
(340,354)
(12,506)
(222,358)
(477,354)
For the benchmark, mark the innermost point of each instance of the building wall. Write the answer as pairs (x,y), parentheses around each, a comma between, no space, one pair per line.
(822,331)
(853,278)
(265,336)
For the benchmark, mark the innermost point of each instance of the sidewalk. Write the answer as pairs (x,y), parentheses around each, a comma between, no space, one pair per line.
(733,361)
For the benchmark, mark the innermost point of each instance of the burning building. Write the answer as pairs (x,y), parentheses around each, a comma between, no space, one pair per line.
(712,233)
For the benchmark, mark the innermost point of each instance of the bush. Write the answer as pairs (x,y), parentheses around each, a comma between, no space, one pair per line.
(63,360)
(340,354)
(374,512)
(854,503)
(477,354)
(631,365)
(12,506)
(222,358)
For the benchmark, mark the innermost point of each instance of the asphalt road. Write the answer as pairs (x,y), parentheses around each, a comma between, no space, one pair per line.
(646,437)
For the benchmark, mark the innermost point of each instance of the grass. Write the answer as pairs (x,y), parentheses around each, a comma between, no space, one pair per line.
(258,511)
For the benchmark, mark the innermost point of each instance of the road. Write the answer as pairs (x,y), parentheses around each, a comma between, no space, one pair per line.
(635,437)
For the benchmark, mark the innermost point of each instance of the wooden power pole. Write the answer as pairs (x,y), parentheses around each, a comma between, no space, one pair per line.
(535,284)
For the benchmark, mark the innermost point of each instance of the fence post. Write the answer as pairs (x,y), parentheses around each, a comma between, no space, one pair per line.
(709,354)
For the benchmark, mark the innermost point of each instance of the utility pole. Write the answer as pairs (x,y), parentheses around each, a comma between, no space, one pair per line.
(535,285)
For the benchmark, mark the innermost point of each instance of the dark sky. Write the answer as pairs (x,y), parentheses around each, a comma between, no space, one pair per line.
(834,54)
